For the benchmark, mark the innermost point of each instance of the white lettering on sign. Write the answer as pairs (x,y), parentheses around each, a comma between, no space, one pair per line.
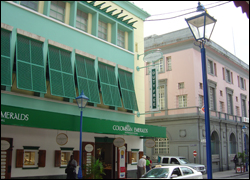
(128,129)
(17,116)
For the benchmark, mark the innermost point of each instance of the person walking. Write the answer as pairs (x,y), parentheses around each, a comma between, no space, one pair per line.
(235,161)
(147,164)
(141,166)
(71,168)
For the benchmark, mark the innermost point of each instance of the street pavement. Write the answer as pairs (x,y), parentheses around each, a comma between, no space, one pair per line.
(227,174)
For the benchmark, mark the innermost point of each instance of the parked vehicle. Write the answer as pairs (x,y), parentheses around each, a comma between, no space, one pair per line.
(172,171)
(167,160)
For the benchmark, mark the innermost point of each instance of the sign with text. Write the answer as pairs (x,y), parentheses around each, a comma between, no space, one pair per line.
(122,156)
(153,89)
(153,55)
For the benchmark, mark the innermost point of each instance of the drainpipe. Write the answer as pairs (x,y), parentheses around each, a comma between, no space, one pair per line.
(227,150)
(221,147)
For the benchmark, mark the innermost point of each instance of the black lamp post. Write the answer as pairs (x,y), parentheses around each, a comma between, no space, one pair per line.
(202,26)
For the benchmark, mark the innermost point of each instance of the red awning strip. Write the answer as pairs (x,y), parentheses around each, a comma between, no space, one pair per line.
(244,6)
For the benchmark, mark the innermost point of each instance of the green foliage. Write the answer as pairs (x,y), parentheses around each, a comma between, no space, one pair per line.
(95,170)
(242,156)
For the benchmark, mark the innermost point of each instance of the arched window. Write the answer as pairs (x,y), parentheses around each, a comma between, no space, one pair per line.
(232,144)
(215,143)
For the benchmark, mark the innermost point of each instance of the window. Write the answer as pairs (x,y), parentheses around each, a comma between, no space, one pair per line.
(169,64)
(229,76)
(215,143)
(181,85)
(221,93)
(232,144)
(201,101)
(65,157)
(182,99)
(57,10)
(174,161)
(237,110)
(161,146)
(236,98)
(121,38)
(223,73)
(229,101)
(160,65)
(30,4)
(212,98)
(165,160)
(222,109)
(134,156)
(62,156)
(30,157)
(81,20)
(201,86)
(102,30)
(242,83)
(210,67)
(162,97)
(186,171)
(243,105)
(176,171)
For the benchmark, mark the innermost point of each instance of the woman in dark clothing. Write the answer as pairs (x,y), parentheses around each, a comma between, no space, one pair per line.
(71,168)
(235,161)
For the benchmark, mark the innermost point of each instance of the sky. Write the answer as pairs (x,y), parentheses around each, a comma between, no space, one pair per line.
(231,30)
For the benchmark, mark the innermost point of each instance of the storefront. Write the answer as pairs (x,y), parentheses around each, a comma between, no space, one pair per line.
(41,142)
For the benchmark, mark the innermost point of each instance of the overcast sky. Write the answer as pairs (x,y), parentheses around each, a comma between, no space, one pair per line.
(230,32)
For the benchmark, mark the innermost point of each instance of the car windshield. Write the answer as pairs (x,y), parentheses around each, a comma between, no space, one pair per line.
(157,173)
(184,161)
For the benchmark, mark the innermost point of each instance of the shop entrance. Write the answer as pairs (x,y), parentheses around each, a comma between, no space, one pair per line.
(105,152)
(6,156)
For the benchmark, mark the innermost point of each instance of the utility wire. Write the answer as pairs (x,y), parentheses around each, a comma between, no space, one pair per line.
(183,10)
(183,14)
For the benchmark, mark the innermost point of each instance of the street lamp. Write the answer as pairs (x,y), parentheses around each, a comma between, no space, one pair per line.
(202,26)
(245,139)
(81,102)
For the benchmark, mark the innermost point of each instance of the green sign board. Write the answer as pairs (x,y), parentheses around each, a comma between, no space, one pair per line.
(154,96)
(11,115)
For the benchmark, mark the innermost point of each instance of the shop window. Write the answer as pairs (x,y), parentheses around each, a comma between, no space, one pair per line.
(62,156)
(133,156)
(30,157)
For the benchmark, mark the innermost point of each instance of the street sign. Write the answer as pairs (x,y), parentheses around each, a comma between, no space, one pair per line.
(194,153)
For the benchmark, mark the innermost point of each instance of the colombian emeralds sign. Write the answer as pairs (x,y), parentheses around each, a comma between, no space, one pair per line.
(11,115)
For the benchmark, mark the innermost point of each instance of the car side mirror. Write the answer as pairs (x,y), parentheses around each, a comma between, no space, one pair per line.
(174,176)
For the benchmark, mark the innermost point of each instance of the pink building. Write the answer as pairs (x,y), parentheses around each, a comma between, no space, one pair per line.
(181,99)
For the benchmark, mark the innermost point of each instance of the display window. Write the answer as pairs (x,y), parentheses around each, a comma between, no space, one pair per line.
(62,157)
(30,158)
(65,157)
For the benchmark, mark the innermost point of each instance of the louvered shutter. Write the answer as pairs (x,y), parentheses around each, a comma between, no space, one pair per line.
(6,68)
(109,85)
(30,65)
(61,75)
(86,78)
(127,90)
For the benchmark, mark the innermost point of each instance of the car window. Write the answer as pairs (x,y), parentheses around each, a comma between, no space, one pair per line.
(176,171)
(184,161)
(157,173)
(186,171)
(174,161)
(165,160)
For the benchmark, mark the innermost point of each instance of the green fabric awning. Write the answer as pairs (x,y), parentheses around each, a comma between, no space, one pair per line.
(17,116)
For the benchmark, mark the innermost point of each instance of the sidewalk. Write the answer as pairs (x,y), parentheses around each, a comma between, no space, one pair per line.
(225,174)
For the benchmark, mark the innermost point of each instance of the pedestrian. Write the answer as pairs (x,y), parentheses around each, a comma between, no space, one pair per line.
(71,168)
(235,161)
(147,164)
(150,162)
(141,166)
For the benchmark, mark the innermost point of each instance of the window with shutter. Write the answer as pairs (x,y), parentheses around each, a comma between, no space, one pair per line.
(6,68)
(109,85)
(127,90)
(62,81)
(30,65)
(86,78)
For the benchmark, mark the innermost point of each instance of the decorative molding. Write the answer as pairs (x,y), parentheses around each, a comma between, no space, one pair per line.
(85,54)
(62,46)
(6,27)
(183,133)
(106,61)
(30,35)
(125,68)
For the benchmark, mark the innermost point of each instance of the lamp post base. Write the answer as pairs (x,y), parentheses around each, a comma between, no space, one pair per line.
(79,175)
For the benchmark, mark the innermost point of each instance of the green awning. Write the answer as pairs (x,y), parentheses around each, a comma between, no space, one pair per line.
(17,116)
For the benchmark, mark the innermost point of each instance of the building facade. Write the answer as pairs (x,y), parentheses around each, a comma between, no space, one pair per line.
(51,51)
(180,88)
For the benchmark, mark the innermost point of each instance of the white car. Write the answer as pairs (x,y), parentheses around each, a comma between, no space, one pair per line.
(172,172)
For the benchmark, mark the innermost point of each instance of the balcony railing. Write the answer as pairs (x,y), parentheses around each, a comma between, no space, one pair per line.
(197,111)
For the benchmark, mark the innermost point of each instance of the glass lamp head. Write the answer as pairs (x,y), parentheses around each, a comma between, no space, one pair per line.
(82,100)
(201,26)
